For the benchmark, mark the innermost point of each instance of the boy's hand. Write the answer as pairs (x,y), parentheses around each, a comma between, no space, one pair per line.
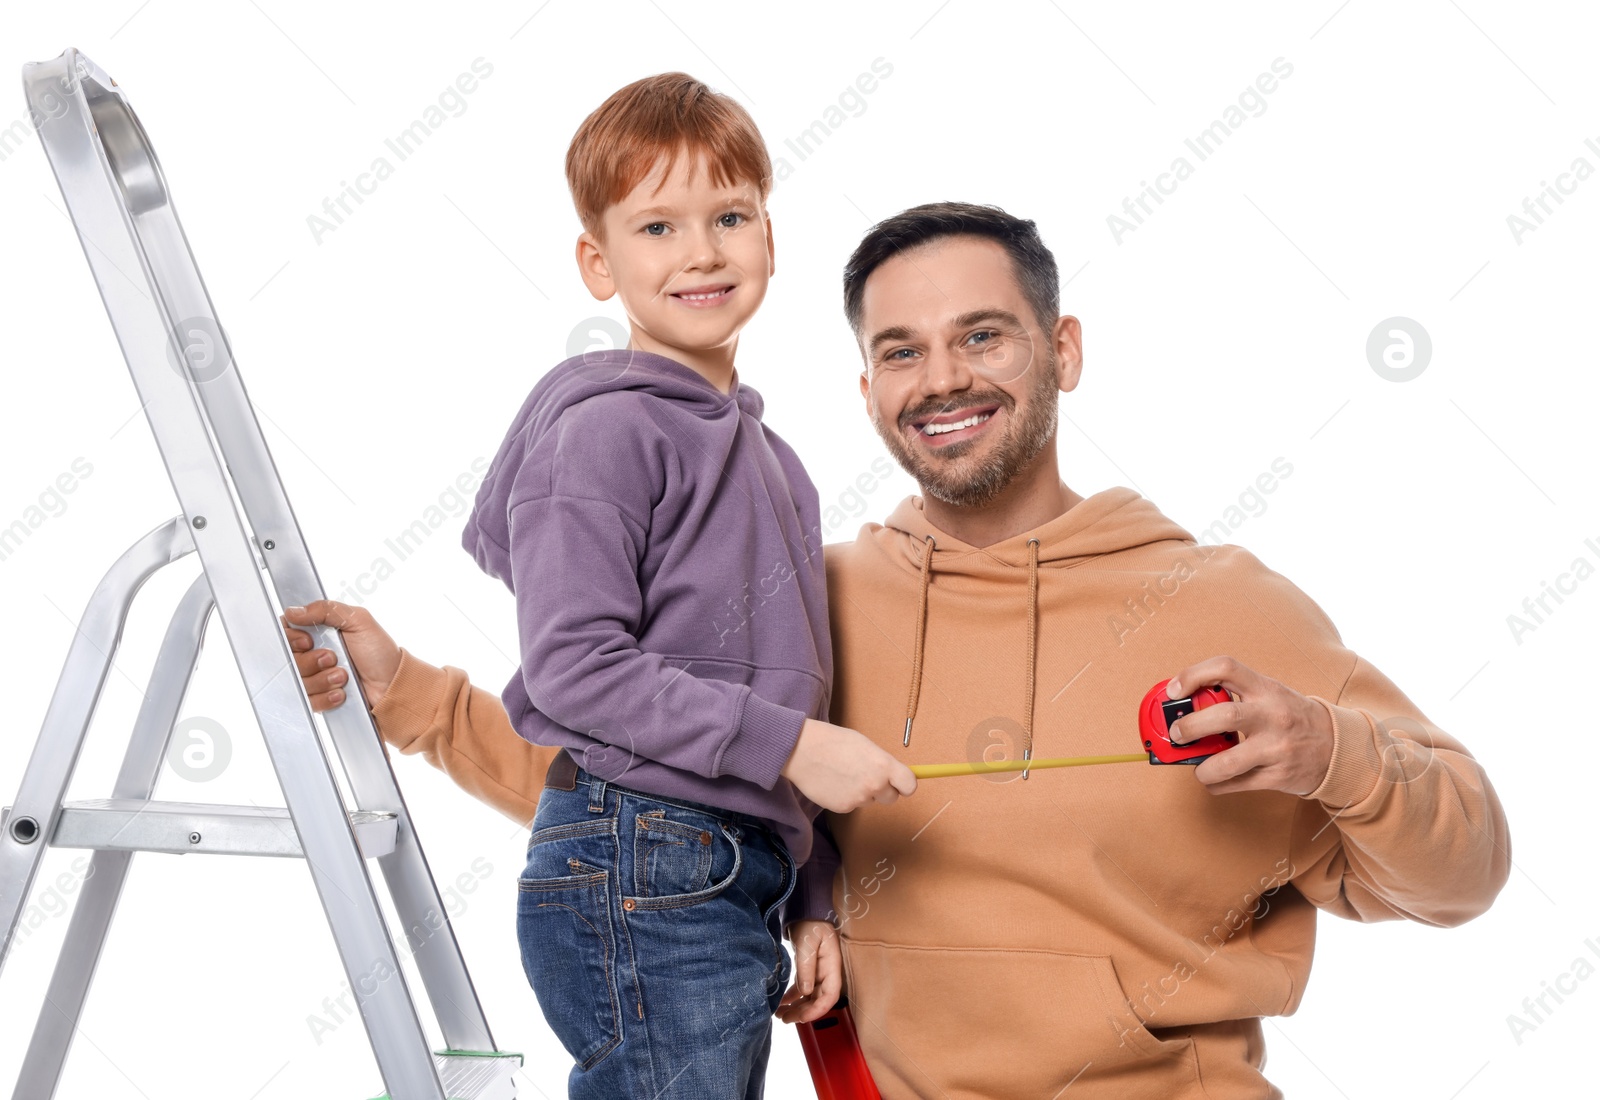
(818,972)
(374,654)
(839,769)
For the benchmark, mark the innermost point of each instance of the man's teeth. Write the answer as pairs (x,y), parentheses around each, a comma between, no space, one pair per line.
(941,429)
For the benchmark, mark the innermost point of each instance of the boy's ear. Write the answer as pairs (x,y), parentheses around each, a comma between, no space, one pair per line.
(593,268)
(772,260)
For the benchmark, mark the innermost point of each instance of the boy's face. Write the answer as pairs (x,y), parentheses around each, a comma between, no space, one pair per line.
(689,258)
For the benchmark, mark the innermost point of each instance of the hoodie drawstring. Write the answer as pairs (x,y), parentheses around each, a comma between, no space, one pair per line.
(922,624)
(922,633)
(1033,622)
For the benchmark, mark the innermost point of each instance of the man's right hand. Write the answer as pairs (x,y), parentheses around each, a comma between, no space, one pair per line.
(840,770)
(374,654)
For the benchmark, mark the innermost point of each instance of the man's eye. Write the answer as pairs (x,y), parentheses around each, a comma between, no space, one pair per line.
(895,354)
(653,226)
(986,334)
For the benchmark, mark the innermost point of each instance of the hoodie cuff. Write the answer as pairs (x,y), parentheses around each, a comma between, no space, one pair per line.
(812,898)
(407,709)
(1356,766)
(762,744)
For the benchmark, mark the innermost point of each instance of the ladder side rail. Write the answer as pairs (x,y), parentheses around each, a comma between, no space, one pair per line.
(221,391)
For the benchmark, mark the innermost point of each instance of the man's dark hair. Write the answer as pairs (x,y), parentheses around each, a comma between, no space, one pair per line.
(1033,263)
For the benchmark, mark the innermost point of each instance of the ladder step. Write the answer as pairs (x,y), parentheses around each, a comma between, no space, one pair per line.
(474,1075)
(140,825)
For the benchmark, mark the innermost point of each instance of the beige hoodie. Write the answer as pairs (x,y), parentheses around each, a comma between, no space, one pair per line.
(1118,928)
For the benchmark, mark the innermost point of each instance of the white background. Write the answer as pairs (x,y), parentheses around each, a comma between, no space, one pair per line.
(1228,330)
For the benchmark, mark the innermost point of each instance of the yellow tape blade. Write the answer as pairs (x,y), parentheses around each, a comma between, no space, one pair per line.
(941,771)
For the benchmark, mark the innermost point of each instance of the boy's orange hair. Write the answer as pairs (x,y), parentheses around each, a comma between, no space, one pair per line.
(621,143)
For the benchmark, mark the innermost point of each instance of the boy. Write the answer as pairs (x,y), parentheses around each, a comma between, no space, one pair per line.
(664,549)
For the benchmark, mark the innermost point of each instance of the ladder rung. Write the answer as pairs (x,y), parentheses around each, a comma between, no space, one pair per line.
(470,1075)
(138,825)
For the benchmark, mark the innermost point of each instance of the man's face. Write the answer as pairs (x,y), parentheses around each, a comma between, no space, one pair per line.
(689,258)
(960,381)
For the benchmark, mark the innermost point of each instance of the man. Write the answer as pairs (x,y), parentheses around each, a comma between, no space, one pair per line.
(1120,930)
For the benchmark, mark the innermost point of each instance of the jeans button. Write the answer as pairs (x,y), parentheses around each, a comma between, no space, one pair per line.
(705,836)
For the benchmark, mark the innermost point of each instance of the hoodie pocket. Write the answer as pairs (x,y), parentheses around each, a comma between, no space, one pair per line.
(984,1022)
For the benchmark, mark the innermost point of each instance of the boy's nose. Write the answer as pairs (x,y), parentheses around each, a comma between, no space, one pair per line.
(705,250)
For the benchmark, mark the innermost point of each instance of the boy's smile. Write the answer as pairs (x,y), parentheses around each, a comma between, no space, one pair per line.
(705,297)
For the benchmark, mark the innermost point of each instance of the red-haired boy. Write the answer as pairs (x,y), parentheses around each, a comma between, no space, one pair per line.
(664,547)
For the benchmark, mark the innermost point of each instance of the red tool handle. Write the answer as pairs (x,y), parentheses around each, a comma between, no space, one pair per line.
(833,1051)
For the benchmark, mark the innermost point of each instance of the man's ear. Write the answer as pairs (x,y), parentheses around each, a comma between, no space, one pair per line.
(1068,337)
(593,268)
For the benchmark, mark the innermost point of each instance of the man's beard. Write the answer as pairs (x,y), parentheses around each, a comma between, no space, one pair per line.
(970,483)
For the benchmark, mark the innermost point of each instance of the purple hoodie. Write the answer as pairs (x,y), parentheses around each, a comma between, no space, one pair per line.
(665,550)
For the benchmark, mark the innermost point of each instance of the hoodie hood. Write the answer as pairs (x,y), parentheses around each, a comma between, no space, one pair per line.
(487,534)
(1114,519)
(1110,521)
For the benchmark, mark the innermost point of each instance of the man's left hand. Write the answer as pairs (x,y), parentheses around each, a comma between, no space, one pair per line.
(1285,738)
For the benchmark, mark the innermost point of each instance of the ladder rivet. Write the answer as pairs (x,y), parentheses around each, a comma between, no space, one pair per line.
(25,830)
(199,521)
(194,838)
(268,544)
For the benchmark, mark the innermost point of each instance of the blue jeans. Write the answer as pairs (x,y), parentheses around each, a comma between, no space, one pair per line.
(650,933)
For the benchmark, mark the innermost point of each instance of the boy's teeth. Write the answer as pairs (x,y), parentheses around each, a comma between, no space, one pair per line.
(707,294)
(941,429)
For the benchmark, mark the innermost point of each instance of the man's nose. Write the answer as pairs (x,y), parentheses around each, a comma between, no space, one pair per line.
(945,372)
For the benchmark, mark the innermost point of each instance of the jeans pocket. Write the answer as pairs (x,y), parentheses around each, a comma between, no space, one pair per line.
(725,852)
(671,856)
(567,939)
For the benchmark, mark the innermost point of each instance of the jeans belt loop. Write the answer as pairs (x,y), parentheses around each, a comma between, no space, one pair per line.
(597,794)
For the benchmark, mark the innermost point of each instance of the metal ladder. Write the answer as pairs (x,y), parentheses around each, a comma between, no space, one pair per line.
(207,432)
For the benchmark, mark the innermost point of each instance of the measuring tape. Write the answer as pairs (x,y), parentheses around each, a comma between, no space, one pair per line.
(1156,715)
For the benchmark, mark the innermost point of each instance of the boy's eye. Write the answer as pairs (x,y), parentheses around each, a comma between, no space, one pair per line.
(653,226)
(731,219)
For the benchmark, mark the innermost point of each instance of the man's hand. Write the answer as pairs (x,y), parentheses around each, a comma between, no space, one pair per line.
(1285,739)
(840,770)
(818,972)
(373,653)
